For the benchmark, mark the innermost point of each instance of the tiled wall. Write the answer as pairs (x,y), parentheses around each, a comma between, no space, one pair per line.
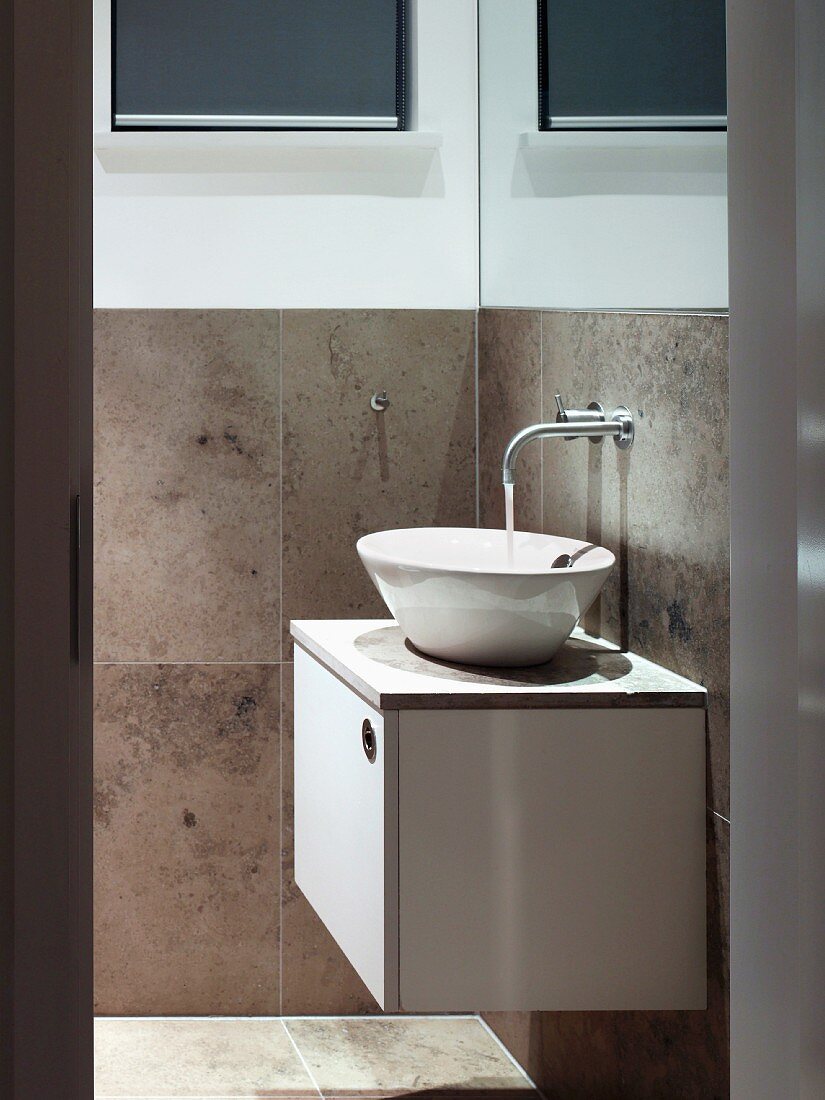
(237,460)
(662,507)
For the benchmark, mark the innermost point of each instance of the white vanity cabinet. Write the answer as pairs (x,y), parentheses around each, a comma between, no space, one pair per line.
(480,840)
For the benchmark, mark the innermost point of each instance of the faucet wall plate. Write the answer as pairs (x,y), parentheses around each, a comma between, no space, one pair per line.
(623,416)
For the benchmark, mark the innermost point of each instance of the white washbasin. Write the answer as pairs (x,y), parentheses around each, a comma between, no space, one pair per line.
(456,596)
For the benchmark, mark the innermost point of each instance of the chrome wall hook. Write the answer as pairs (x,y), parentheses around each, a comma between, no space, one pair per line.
(379,401)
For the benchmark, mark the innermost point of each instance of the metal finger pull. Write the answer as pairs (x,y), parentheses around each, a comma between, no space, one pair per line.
(369,741)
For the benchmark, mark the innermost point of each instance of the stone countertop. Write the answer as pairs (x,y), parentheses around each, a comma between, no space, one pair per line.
(374,658)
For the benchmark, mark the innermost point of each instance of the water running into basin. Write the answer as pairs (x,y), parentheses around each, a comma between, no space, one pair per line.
(509,520)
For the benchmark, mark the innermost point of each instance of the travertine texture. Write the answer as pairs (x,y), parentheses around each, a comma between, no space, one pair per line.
(187,485)
(509,394)
(400,1057)
(382,666)
(662,508)
(194,412)
(451,1057)
(190,431)
(348,470)
(186,839)
(197,1059)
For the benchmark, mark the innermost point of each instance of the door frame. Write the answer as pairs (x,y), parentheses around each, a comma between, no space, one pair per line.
(46,585)
(777,239)
(776,179)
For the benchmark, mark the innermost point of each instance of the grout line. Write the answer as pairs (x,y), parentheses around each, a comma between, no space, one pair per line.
(310,1016)
(381,1017)
(281,846)
(478,421)
(477,180)
(281,481)
(509,1056)
(310,1074)
(641,311)
(184,1019)
(226,664)
(541,418)
(281,644)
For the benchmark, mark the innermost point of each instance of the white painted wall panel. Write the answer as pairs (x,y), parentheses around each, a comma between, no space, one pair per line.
(321,239)
(587,229)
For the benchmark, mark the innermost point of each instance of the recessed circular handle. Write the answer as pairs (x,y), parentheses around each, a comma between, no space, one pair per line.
(369,741)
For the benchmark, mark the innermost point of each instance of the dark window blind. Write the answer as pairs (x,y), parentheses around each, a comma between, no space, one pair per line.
(259,64)
(642,64)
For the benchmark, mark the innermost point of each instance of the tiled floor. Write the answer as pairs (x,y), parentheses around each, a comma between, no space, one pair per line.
(303,1057)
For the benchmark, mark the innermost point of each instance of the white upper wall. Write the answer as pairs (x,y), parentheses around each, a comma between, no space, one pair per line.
(584,228)
(304,236)
(588,227)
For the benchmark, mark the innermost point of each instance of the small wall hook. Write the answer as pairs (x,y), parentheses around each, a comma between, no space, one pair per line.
(379,401)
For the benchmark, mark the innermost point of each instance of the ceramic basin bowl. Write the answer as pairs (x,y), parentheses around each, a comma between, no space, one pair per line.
(456,596)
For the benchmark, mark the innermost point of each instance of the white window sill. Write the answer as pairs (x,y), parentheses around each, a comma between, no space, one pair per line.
(265,151)
(623,139)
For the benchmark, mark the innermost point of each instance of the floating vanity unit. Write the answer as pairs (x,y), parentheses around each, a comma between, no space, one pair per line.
(482,839)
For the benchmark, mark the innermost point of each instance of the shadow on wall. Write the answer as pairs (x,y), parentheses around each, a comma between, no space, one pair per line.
(558,172)
(181,172)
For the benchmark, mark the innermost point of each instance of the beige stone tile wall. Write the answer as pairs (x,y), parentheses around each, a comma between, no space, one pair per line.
(187,485)
(187,850)
(662,507)
(237,460)
(509,398)
(348,470)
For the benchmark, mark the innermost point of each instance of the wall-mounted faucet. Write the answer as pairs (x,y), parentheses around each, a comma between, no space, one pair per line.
(589,423)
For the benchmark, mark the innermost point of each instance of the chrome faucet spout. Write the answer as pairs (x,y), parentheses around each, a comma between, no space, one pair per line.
(589,424)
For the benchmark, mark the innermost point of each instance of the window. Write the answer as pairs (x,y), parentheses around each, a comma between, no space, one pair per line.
(258,64)
(639,64)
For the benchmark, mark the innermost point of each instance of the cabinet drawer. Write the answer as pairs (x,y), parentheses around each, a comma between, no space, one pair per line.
(505,859)
(346,822)
(552,860)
